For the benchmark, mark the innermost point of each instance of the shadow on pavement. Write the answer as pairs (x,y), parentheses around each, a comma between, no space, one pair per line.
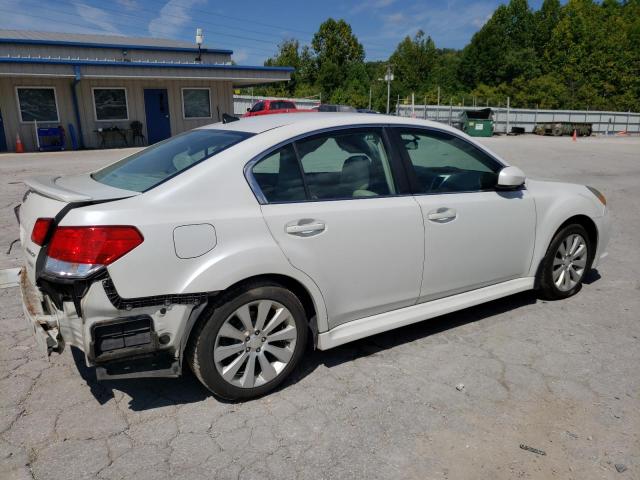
(591,277)
(148,393)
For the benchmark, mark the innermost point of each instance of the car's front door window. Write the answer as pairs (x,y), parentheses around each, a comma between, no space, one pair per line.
(445,163)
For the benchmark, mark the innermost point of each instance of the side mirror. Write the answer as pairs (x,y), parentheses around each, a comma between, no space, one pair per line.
(248,109)
(511,177)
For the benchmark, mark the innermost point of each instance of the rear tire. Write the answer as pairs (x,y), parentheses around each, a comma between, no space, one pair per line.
(249,341)
(567,261)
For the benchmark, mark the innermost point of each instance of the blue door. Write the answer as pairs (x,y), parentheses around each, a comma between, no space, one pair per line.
(3,139)
(156,107)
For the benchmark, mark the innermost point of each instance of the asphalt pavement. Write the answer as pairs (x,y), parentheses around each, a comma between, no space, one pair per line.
(449,398)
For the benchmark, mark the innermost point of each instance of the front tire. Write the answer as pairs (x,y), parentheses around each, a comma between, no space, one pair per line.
(249,341)
(566,263)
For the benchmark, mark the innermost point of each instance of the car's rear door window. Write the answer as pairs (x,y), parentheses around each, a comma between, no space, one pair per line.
(444,163)
(166,159)
(346,165)
(279,178)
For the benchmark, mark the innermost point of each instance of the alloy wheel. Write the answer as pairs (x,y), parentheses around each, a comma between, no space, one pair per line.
(255,343)
(569,262)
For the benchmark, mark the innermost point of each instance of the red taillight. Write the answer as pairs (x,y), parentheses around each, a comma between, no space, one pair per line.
(93,245)
(40,230)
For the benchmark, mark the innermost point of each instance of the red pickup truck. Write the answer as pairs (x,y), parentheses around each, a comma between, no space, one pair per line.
(266,107)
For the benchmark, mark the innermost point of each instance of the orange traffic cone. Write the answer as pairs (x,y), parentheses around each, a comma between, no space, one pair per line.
(19,145)
(574,137)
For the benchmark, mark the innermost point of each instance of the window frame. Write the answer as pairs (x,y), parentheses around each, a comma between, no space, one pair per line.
(37,87)
(416,186)
(398,172)
(259,102)
(95,109)
(184,117)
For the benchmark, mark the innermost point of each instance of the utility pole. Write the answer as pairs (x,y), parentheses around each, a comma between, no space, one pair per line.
(438,109)
(369,98)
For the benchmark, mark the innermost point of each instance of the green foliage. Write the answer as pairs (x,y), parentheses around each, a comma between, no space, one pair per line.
(413,61)
(584,54)
(335,42)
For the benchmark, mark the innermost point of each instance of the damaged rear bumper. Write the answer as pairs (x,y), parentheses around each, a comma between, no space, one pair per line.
(131,340)
(43,324)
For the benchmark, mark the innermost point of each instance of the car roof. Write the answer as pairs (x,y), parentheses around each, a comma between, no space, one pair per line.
(318,120)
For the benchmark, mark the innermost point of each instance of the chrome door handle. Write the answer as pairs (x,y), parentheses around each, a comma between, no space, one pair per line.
(442,214)
(305,229)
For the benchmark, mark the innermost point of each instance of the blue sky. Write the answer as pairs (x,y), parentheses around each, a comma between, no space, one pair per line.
(252,28)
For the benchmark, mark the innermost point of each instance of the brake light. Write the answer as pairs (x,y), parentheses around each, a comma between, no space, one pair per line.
(100,245)
(40,230)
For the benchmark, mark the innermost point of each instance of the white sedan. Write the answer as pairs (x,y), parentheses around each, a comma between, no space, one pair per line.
(233,247)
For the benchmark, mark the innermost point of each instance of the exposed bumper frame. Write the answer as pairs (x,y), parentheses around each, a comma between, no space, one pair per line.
(45,327)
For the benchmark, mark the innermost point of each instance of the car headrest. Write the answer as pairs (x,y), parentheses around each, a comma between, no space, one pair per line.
(356,172)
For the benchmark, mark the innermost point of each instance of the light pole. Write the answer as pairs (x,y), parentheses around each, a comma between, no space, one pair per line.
(388,77)
(199,41)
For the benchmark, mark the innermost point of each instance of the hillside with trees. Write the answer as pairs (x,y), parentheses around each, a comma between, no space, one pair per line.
(581,55)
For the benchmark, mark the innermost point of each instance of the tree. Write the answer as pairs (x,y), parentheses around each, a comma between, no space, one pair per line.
(335,42)
(545,21)
(503,48)
(413,62)
(583,54)
(288,56)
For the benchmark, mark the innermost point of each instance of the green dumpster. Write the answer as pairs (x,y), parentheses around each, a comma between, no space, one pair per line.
(477,123)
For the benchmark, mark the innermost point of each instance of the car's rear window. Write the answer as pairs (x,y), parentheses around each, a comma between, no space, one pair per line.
(158,163)
(282,105)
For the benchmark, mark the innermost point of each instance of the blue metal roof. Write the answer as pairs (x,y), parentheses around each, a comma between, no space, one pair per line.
(120,46)
(111,63)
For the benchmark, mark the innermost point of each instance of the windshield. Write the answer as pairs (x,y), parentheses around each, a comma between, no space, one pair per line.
(155,164)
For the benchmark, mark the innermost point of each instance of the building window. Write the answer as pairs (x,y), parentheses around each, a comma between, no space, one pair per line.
(196,103)
(37,104)
(110,103)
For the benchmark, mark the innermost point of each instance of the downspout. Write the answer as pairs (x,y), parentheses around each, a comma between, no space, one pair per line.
(76,109)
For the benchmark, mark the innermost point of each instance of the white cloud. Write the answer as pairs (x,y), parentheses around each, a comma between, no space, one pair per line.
(480,21)
(98,17)
(173,17)
(394,19)
(14,16)
(240,55)
(128,4)
(371,5)
(450,24)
